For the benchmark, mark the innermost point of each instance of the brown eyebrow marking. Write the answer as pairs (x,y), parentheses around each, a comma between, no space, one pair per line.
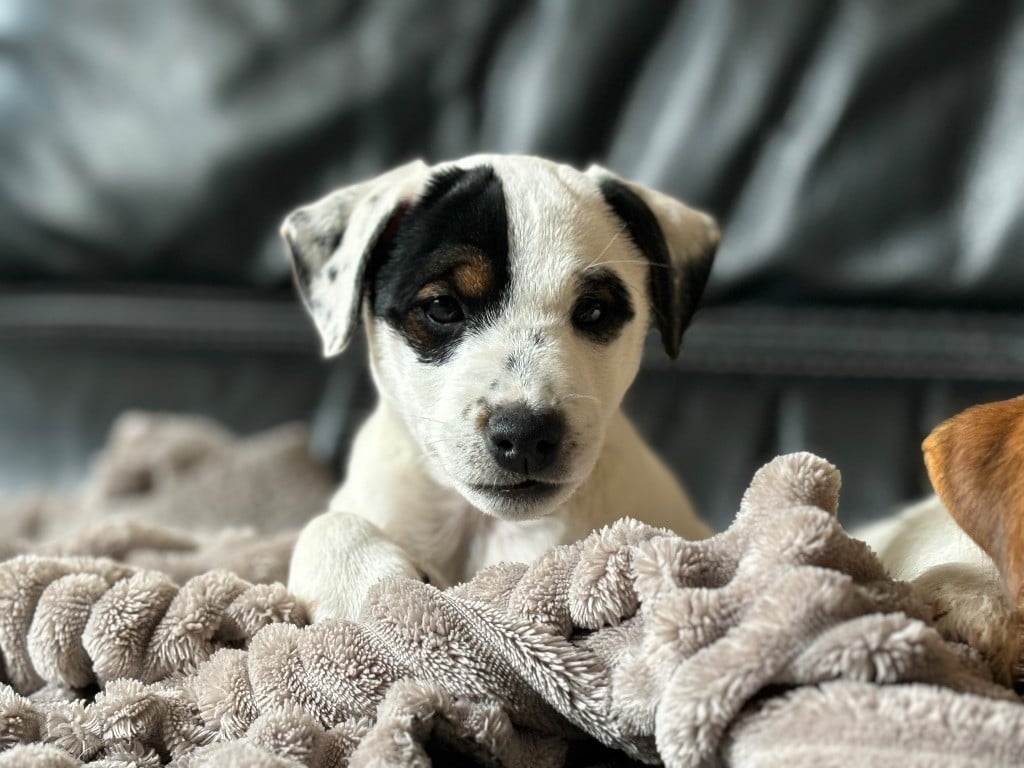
(472,277)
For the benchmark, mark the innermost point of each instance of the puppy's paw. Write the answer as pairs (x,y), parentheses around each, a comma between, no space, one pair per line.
(970,606)
(338,558)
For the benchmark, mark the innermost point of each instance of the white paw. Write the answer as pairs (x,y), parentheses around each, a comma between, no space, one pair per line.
(336,561)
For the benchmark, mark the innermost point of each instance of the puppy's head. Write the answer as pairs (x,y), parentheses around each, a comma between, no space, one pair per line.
(506,302)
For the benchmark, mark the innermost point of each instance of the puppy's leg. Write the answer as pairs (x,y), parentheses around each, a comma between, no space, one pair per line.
(336,560)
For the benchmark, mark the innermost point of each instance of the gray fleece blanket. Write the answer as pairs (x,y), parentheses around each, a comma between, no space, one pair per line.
(779,641)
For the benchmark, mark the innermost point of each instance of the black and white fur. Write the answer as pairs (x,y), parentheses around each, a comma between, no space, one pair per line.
(505,300)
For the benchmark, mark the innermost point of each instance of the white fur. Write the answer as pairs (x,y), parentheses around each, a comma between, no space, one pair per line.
(924,545)
(921,537)
(409,505)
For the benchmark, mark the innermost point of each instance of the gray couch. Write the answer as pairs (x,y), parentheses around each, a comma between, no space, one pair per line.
(866,160)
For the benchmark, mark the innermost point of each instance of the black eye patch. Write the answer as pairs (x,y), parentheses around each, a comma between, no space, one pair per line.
(602,307)
(452,243)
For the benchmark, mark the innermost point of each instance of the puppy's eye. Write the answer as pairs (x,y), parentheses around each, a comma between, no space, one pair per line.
(588,312)
(603,307)
(443,310)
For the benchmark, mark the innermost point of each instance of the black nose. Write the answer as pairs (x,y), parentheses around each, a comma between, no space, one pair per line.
(523,440)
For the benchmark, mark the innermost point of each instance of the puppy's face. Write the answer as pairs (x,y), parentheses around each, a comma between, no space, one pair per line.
(506,304)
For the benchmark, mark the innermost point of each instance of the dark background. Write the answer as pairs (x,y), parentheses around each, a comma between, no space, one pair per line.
(865,158)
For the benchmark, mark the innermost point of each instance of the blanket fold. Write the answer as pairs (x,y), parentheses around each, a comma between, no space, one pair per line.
(780,640)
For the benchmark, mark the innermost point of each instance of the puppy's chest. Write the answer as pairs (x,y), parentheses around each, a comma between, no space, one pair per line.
(459,540)
(493,541)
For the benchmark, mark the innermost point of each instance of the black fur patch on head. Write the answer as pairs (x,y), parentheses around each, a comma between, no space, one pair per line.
(450,245)
(603,307)
(674,297)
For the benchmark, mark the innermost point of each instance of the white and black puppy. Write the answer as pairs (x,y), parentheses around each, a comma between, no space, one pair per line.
(506,300)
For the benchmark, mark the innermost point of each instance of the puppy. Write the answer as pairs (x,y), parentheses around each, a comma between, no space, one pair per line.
(505,301)
(963,550)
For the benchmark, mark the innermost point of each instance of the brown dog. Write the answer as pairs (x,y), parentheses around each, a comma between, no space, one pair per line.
(964,549)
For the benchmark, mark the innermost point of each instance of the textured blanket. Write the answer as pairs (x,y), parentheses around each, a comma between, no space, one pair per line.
(779,641)
(183,495)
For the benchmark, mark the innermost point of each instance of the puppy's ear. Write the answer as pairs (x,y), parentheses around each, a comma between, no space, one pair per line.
(330,242)
(679,241)
(976,462)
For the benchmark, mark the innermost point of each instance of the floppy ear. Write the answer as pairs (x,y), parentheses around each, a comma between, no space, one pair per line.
(679,241)
(330,242)
(976,462)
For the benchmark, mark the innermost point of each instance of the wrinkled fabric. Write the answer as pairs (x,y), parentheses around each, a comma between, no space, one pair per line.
(780,638)
(241,500)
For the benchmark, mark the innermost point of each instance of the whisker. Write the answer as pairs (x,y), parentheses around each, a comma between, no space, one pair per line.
(410,415)
(432,443)
(582,396)
(604,250)
(609,245)
(596,265)
(426,418)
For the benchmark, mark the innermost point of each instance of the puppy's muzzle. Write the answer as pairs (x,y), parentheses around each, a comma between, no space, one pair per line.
(524,440)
